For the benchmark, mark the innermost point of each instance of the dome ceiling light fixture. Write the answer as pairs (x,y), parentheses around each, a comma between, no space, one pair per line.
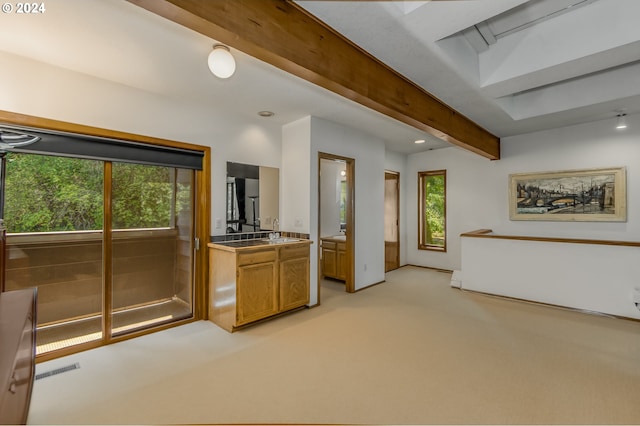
(266,114)
(419,141)
(221,61)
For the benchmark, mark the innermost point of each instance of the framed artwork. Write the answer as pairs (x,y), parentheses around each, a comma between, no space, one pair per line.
(595,195)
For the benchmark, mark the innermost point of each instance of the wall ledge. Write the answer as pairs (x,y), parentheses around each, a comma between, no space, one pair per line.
(488,233)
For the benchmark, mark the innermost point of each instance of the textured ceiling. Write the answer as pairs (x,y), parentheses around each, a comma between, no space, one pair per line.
(567,62)
(575,67)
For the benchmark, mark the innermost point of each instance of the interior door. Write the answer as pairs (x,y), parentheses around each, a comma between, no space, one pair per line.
(391,221)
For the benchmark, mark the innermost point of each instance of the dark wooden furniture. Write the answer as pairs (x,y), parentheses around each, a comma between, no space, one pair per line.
(17,354)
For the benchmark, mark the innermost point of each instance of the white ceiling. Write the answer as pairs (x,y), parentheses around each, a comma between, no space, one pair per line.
(571,68)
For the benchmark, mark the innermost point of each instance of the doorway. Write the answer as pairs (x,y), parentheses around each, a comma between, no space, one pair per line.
(336,223)
(391,221)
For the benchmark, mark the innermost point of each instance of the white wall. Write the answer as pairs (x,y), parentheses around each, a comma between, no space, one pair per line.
(38,89)
(477,189)
(295,197)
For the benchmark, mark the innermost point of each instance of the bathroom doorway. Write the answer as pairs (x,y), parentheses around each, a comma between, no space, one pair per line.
(391,221)
(336,221)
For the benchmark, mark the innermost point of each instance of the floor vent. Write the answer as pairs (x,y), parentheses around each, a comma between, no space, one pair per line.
(57,371)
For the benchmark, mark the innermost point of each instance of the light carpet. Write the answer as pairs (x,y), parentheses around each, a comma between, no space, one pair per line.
(412,350)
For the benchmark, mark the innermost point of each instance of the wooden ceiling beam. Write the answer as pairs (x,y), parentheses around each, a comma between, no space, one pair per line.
(283,34)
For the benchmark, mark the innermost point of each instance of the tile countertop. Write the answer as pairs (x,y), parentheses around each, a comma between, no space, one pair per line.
(248,244)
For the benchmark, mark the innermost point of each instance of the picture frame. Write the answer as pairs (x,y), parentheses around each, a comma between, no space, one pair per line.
(591,195)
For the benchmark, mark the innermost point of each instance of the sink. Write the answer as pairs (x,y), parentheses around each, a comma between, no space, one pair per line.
(281,240)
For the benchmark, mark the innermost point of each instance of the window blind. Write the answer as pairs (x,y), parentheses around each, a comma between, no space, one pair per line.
(100,148)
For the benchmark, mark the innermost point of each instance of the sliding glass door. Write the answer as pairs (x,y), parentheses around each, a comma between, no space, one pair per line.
(54,216)
(109,245)
(151,245)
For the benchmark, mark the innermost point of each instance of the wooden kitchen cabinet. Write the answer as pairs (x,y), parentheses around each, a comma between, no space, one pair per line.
(294,277)
(250,281)
(257,288)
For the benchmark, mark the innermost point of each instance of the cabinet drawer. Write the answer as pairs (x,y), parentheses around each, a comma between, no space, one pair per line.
(330,245)
(342,246)
(258,256)
(293,251)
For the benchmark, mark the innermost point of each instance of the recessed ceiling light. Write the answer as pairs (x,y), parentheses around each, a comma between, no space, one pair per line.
(266,114)
(420,141)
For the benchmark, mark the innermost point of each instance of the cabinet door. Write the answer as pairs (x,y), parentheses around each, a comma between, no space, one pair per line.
(294,283)
(341,267)
(257,292)
(329,262)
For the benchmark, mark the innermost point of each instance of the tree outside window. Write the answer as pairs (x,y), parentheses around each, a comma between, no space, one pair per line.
(58,194)
(432,197)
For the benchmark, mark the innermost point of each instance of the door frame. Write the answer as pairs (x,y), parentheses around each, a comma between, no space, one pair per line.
(350,219)
(397,180)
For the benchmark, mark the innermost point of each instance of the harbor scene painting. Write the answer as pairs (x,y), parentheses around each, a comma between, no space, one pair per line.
(578,195)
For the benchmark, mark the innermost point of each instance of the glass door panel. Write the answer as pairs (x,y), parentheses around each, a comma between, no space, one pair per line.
(53,215)
(152,250)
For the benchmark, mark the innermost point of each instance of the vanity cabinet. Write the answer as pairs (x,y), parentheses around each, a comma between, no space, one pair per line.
(251,281)
(334,258)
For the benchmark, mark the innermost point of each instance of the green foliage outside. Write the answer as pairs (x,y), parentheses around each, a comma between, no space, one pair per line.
(141,196)
(434,210)
(52,194)
(46,193)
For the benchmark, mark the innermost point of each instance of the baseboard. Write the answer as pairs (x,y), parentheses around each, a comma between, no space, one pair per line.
(549,305)
(448,271)
(370,285)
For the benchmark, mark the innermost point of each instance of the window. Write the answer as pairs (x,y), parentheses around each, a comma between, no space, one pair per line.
(432,197)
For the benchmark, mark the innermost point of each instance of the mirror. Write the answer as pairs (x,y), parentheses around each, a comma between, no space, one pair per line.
(253,197)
